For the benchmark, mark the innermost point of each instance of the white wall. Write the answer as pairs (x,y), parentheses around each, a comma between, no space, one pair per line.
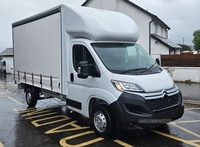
(158,48)
(159,30)
(184,73)
(141,19)
(178,52)
(9,64)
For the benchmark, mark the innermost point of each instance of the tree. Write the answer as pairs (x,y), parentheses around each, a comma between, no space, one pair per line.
(196,40)
(185,47)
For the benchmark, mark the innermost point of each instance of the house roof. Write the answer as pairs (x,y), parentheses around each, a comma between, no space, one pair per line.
(7,52)
(153,17)
(166,42)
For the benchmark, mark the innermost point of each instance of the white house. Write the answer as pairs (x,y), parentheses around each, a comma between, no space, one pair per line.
(6,57)
(153,31)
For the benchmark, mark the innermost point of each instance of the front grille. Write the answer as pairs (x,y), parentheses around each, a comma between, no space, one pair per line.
(163,103)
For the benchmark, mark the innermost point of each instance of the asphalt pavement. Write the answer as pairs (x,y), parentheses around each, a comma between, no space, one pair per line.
(51,124)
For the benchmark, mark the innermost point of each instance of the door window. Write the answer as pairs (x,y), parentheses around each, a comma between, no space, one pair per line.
(81,53)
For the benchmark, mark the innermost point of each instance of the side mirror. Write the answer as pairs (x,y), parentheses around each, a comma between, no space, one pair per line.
(158,61)
(83,69)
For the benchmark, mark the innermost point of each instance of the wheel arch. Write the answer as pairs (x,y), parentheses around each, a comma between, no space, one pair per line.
(33,88)
(94,102)
(114,107)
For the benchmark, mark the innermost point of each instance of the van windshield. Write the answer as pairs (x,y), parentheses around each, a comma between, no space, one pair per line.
(126,58)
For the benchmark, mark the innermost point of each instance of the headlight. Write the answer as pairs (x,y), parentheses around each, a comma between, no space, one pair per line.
(122,86)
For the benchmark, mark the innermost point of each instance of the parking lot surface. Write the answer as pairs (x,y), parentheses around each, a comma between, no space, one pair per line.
(51,124)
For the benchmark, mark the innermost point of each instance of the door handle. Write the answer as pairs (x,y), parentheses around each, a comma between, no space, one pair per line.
(72,77)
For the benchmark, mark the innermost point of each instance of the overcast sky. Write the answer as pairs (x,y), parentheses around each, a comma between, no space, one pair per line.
(182,16)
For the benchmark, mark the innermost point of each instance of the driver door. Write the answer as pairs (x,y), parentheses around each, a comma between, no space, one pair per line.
(80,90)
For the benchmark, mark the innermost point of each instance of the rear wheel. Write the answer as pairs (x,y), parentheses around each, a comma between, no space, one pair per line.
(102,121)
(31,97)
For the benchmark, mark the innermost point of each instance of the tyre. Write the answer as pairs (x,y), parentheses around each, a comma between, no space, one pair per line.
(102,121)
(31,99)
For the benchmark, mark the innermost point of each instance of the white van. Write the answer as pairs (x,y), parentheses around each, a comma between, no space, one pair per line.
(90,58)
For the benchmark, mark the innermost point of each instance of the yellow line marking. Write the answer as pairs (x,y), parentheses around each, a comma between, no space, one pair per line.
(193,112)
(14,100)
(186,121)
(197,141)
(1,145)
(175,138)
(123,143)
(41,115)
(191,102)
(28,110)
(186,130)
(192,109)
(61,128)
(37,124)
(63,142)
(36,112)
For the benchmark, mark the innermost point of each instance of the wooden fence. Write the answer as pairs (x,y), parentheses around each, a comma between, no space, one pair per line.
(182,60)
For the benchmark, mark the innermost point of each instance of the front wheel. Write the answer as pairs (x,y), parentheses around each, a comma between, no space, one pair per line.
(31,100)
(102,121)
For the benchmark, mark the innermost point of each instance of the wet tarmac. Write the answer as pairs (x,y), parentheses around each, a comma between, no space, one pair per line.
(51,124)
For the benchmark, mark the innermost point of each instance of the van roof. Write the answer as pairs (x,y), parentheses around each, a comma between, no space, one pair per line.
(91,23)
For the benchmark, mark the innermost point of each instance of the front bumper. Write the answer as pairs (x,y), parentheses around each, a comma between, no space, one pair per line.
(136,111)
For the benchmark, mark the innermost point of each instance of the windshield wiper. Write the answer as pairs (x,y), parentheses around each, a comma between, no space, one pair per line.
(149,68)
(137,69)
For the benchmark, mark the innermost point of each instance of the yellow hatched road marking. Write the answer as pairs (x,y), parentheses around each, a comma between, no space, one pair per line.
(176,138)
(14,100)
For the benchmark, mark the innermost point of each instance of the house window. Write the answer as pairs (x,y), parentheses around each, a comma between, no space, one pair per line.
(155,28)
(162,32)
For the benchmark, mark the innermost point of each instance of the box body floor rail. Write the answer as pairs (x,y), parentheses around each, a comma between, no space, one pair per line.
(89,57)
